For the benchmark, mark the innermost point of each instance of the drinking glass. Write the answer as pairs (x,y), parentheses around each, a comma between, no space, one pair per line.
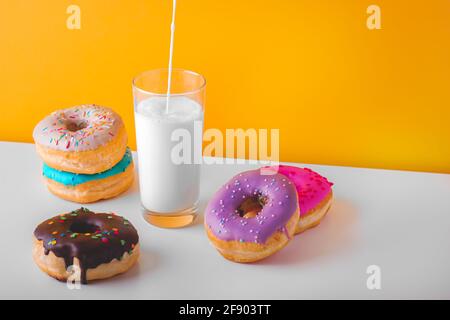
(169,131)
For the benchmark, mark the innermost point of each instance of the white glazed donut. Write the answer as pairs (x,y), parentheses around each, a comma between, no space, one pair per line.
(83,139)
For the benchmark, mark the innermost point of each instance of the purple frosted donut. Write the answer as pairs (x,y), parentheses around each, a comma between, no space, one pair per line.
(252,216)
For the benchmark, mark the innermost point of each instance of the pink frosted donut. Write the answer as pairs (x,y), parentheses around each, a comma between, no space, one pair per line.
(83,139)
(314,195)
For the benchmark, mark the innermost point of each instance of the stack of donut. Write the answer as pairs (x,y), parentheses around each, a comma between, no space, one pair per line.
(258,212)
(85,154)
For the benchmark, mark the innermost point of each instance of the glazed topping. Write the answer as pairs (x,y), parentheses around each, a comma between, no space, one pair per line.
(93,238)
(73,179)
(311,187)
(79,128)
(251,207)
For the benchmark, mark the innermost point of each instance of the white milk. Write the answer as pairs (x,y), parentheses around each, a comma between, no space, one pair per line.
(165,186)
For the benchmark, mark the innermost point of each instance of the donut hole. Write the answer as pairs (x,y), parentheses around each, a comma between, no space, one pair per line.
(252,206)
(74,126)
(83,227)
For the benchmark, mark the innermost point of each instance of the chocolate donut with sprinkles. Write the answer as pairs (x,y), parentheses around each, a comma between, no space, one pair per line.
(252,216)
(95,245)
(84,139)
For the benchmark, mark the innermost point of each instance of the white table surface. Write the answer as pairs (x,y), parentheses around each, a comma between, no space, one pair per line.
(397,220)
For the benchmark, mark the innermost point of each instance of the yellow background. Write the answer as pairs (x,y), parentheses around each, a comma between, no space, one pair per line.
(340,93)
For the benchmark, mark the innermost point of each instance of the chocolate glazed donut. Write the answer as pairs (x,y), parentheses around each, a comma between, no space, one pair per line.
(93,238)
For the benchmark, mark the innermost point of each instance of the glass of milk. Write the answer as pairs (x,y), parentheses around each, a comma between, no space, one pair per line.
(169,131)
